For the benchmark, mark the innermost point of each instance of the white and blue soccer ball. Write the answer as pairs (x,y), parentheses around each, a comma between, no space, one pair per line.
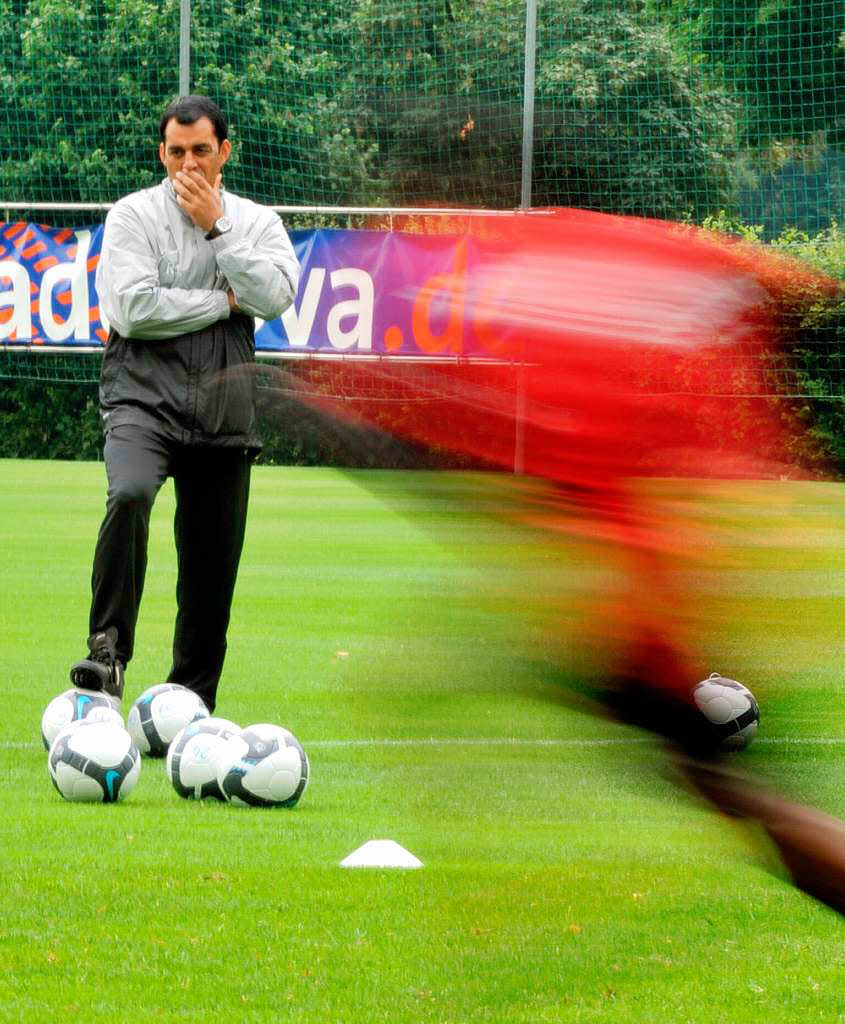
(74,705)
(263,766)
(730,709)
(159,713)
(94,762)
(193,754)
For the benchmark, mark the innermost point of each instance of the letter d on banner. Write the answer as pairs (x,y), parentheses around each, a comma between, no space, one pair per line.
(76,273)
(450,290)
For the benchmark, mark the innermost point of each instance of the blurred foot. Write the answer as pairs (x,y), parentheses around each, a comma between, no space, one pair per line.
(653,691)
(811,843)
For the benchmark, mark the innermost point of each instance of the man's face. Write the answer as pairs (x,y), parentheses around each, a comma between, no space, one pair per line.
(193,147)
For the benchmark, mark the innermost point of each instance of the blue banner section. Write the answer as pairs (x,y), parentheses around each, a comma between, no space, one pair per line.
(361,292)
(47,294)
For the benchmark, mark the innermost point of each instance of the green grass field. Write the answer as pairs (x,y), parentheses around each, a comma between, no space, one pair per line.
(402,632)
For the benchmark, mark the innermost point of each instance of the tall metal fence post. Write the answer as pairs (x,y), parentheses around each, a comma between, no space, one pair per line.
(525,204)
(184,47)
(528,101)
(519,426)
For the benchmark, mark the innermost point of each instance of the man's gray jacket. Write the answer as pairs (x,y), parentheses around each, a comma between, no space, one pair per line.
(178,360)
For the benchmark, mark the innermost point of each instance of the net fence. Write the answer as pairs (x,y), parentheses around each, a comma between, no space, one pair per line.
(727,109)
(811,365)
(655,107)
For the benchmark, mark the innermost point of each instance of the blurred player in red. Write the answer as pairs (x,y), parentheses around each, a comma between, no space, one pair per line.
(628,342)
(639,349)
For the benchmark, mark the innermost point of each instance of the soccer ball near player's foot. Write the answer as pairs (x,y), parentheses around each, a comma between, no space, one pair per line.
(731,710)
(94,762)
(74,705)
(159,713)
(193,754)
(263,766)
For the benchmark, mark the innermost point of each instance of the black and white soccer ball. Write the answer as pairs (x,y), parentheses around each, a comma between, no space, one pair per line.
(159,713)
(730,709)
(192,757)
(263,766)
(74,705)
(94,762)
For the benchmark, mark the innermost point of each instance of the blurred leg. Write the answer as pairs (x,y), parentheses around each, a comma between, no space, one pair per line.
(810,842)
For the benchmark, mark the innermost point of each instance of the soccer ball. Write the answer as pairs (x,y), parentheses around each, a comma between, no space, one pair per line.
(731,710)
(159,713)
(192,757)
(94,762)
(73,705)
(263,766)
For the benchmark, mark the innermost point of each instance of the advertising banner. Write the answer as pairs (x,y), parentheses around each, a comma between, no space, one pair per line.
(360,293)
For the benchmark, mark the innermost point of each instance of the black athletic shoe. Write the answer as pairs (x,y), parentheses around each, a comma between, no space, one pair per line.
(102,670)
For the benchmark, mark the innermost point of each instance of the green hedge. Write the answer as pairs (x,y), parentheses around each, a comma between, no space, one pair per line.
(59,420)
(49,421)
(44,418)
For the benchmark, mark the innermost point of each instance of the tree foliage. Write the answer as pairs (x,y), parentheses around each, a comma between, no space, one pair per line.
(376,102)
(84,82)
(621,123)
(659,107)
(784,61)
(79,90)
(626,123)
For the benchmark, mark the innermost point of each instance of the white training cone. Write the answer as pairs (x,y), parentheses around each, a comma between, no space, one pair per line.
(381,853)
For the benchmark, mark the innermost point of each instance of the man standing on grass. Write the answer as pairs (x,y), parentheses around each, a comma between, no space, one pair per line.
(184,269)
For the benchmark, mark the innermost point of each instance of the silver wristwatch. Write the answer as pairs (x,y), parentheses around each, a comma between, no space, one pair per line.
(221,227)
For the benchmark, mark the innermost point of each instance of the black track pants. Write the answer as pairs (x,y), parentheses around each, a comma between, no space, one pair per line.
(212,494)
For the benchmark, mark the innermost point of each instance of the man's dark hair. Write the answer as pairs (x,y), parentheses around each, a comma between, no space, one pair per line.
(188,109)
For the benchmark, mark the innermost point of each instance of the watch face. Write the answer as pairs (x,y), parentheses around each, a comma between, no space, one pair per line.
(223,224)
